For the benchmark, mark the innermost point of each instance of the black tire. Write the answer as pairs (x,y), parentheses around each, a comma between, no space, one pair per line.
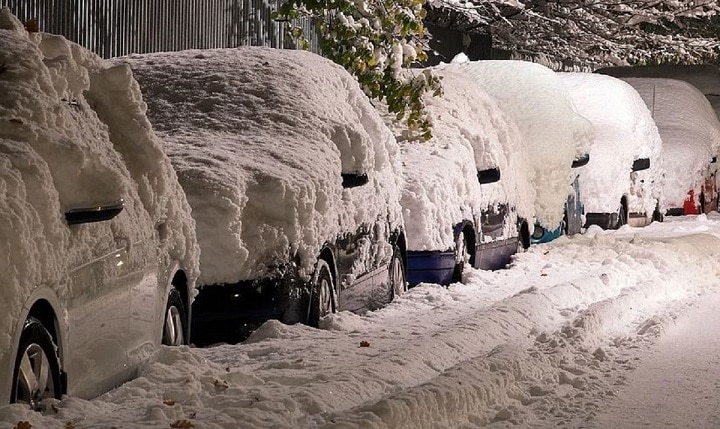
(175,324)
(657,216)
(622,217)
(36,375)
(461,257)
(322,297)
(398,281)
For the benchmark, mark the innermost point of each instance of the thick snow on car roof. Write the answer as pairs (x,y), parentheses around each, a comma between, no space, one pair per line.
(470,133)
(624,131)
(689,129)
(554,133)
(70,125)
(705,77)
(259,138)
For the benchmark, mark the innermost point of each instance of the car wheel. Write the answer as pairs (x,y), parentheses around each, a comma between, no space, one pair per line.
(461,257)
(398,283)
(622,217)
(657,216)
(322,301)
(174,327)
(37,370)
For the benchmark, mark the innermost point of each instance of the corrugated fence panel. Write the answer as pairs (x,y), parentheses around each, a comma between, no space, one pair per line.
(114,28)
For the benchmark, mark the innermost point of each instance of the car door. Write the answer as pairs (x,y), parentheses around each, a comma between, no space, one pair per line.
(354,282)
(98,307)
(147,298)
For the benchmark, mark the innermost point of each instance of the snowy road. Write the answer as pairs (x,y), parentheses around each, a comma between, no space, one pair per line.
(574,334)
(678,384)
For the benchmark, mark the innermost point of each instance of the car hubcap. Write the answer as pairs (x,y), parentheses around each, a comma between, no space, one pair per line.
(173,327)
(398,277)
(35,380)
(461,254)
(324,297)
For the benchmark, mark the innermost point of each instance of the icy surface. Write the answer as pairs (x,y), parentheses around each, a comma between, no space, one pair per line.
(259,138)
(690,132)
(624,131)
(554,133)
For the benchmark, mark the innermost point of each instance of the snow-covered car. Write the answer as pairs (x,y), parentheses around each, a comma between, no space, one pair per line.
(293,181)
(705,77)
(626,144)
(690,133)
(466,193)
(556,137)
(98,256)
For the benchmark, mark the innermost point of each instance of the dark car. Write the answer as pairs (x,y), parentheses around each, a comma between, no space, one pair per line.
(292,178)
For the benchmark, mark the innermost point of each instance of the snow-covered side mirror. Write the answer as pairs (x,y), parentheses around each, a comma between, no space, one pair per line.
(94,214)
(641,164)
(491,175)
(579,162)
(353,180)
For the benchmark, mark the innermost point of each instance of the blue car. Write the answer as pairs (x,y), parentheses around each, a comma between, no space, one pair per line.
(465,193)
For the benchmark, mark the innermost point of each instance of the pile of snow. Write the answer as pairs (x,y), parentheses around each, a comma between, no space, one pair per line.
(73,135)
(543,344)
(690,133)
(440,186)
(624,131)
(554,133)
(259,138)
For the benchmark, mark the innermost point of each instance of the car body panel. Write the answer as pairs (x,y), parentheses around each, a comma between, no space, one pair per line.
(85,182)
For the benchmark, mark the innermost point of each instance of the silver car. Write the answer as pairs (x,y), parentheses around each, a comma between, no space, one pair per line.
(98,257)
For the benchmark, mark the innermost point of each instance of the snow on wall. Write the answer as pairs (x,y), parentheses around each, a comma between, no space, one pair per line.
(259,138)
(690,132)
(624,132)
(470,133)
(555,134)
(58,153)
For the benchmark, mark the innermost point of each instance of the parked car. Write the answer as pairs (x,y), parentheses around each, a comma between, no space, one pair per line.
(690,133)
(98,256)
(704,77)
(292,178)
(555,135)
(466,194)
(627,144)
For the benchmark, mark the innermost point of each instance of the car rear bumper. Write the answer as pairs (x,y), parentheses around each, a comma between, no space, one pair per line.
(430,267)
(496,255)
(603,220)
(229,312)
(438,266)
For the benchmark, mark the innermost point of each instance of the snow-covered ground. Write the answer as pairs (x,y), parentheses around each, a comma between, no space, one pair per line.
(549,342)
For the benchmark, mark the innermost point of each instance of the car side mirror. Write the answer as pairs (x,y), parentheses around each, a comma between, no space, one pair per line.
(491,175)
(641,164)
(353,180)
(582,161)
(94,214)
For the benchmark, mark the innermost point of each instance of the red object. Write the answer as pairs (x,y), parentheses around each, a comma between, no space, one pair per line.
(689,207)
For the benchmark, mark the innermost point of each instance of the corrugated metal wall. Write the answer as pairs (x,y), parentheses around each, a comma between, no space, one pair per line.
(114,28)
